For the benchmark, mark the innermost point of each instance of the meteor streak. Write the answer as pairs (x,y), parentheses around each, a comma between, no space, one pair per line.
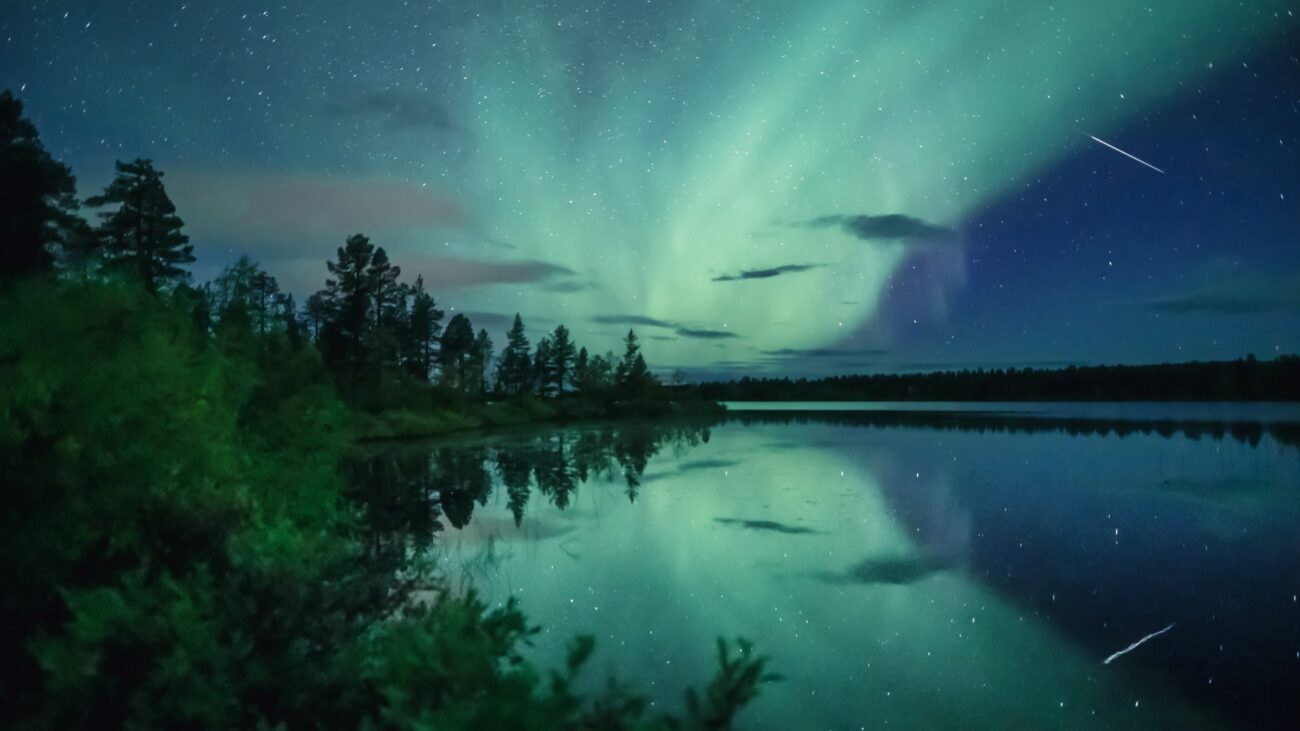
(1153,635)
(1125,154)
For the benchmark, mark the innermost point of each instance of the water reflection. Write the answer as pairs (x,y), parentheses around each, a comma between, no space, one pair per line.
(408,489)
(769,525)
(886,570)
(908,570)
(1284,431)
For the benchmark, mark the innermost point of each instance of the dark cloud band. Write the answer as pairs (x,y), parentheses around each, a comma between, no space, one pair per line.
(888,227)
(678,329)
(765,273)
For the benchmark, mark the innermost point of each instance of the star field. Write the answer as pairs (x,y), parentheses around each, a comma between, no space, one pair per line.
(778,187)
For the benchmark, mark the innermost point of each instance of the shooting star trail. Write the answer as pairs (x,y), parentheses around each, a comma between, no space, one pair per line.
(1125,154)
(1136,645)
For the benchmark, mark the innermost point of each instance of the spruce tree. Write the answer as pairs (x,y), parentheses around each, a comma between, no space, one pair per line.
(515,373)
(543,366)
(582,371)
(143,235)
(482,357)
(561,358)
(624,370)
(423,329)
(385,292)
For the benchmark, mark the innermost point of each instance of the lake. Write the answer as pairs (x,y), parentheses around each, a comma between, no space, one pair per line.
(915,567)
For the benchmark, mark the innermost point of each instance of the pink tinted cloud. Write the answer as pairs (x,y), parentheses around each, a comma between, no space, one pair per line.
(304,275)
(282,208)
(449,272)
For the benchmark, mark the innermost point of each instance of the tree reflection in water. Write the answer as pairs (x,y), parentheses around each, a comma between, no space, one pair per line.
(408,490)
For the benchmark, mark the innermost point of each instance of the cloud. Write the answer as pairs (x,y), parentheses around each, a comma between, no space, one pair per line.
(687,332)
(679,329)
(499,243)
(632,320)
(1240,297)
(303,275)
(449,272)
(889,227)
(824,352)
(567,287)
(279,210)
(489,320)
(765,273)
(398,108)
(496,321)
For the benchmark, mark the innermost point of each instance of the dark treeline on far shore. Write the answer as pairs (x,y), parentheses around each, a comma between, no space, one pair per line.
(178,546)
(1246,431)
(1245,379)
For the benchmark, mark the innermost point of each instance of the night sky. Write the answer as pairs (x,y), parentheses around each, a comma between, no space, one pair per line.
(758,187)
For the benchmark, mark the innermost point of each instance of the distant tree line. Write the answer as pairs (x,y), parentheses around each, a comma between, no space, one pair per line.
(1245,379)
(379,336)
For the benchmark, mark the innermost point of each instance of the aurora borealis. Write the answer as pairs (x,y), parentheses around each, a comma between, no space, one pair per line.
(756,187)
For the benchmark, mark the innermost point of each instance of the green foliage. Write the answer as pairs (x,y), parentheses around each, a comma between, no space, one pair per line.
(178,549)
(177,546)
(246,292)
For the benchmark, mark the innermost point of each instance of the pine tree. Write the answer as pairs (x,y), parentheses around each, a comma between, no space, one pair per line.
(482,357)
(245,290)
(561,358)
(385,292)
(38,200)
(423,329)
(582,371)
(265,297)
(543,366)
(457,351)
(387,308)
(318,311)
(143,235)
(599,375)
(349,292)
(286,315)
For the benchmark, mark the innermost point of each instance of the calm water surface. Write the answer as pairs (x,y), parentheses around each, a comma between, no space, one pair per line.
(927,571)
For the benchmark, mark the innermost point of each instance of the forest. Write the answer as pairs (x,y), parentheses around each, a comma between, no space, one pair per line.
(383,341)
(178,545)
(1245,379)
